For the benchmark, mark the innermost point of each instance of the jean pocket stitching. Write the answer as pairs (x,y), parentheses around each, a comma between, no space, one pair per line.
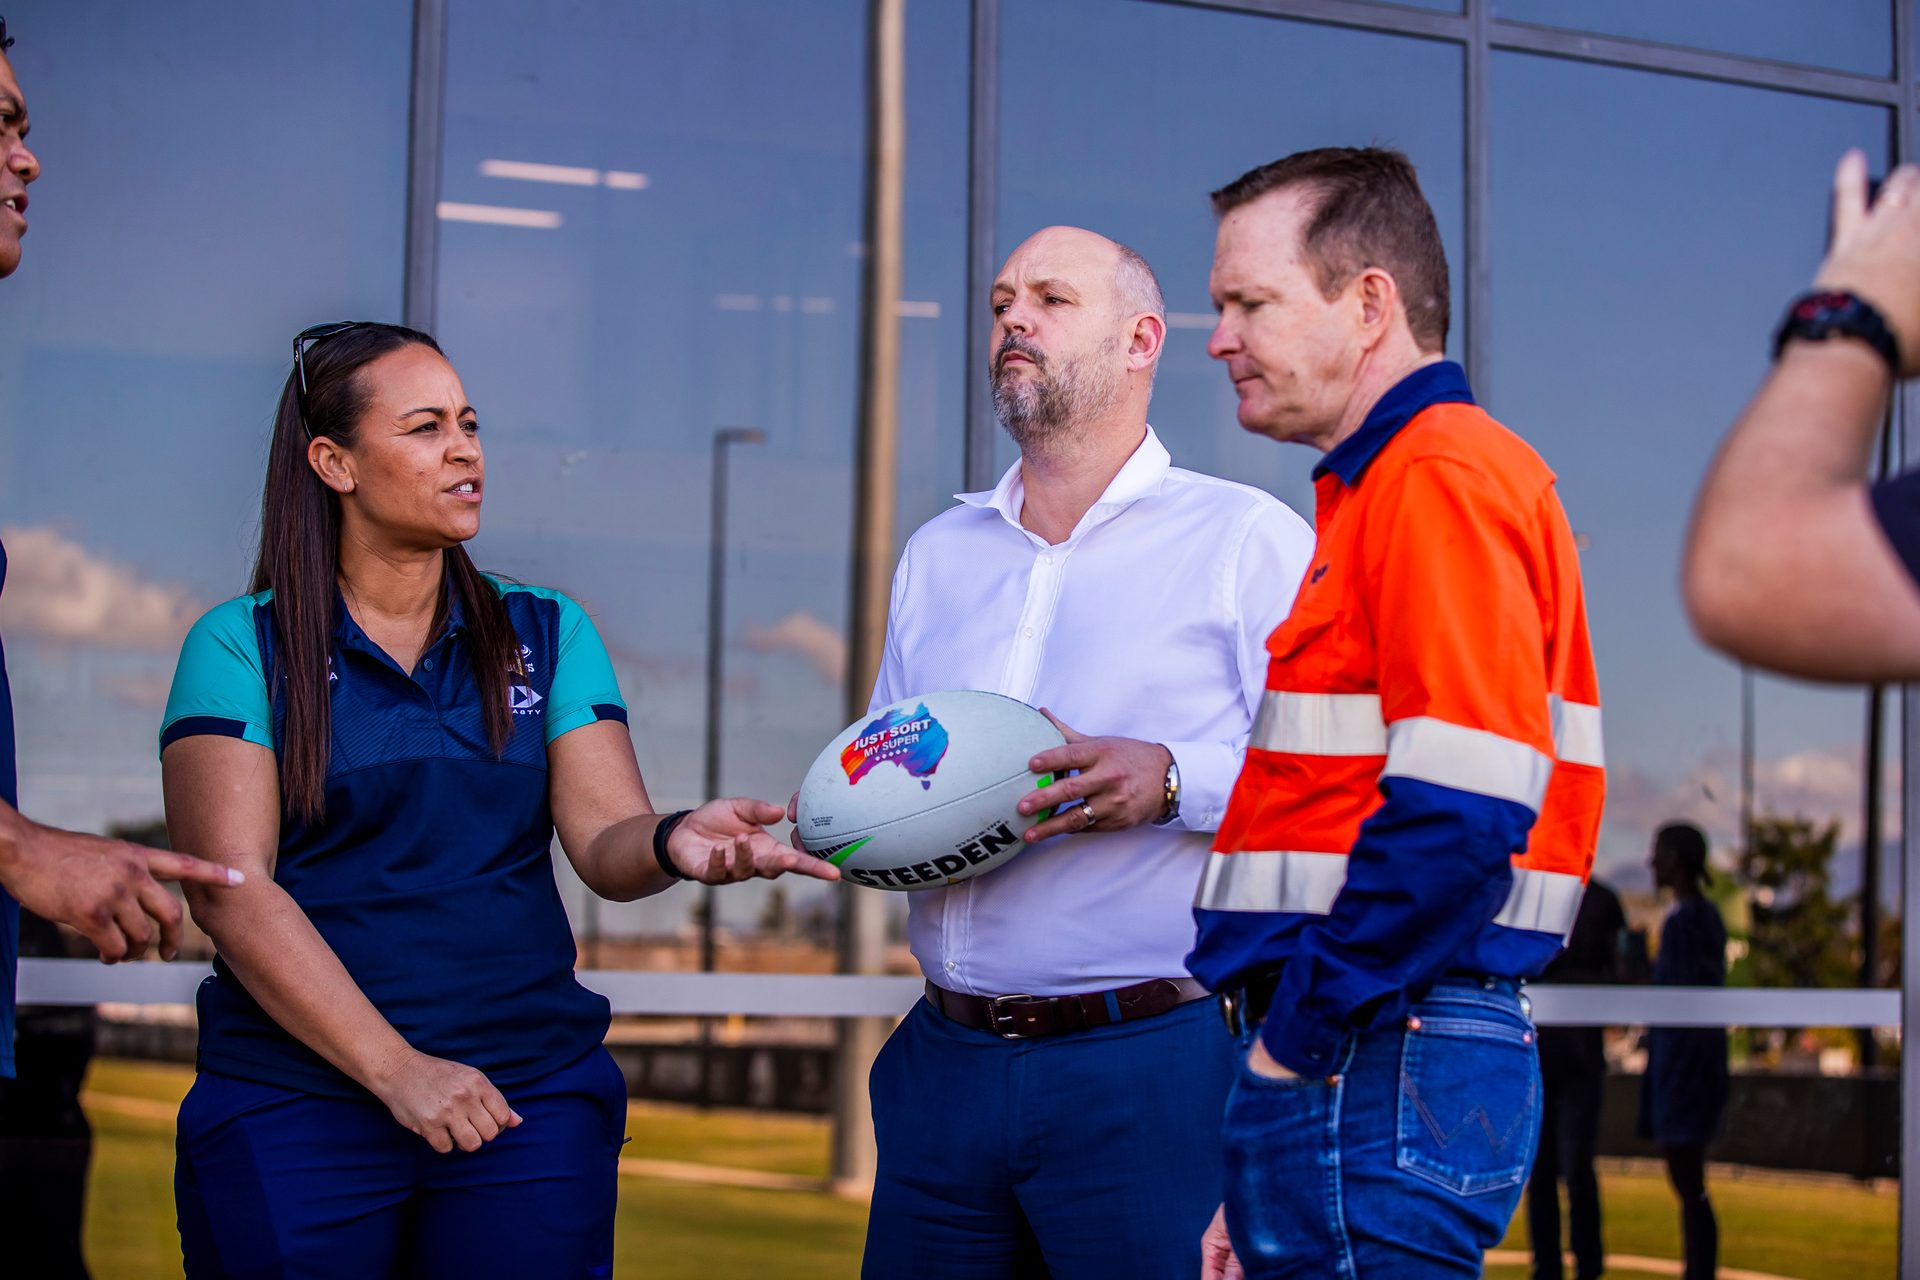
(1422,1120)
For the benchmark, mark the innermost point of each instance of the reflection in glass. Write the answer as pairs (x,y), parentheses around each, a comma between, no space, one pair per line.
(1647,231)
(1206,96)
(1844,35)
(216,178)
(653,230)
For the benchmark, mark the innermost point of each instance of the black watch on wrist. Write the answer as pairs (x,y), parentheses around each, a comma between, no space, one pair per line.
(1825,314)
(662,830)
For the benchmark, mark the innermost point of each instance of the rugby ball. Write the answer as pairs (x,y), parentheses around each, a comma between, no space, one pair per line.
(923,793)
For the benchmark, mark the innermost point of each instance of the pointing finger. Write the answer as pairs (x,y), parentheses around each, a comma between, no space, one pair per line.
(1069,734)
(1849,196)
(165,865)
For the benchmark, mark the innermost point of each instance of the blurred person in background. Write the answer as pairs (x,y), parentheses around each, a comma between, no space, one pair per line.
(1573,1077)
(399,1074)
(1683,1095)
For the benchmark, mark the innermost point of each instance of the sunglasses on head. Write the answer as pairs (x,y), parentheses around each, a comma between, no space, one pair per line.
(311,337)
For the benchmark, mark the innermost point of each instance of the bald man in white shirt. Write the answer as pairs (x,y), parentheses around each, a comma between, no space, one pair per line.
(1052,1108)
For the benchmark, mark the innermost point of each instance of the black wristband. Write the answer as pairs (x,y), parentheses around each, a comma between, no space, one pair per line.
(660,834)
(1830,314)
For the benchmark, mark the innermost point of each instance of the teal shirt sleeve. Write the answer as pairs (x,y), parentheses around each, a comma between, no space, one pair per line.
(220,685)
(584,689)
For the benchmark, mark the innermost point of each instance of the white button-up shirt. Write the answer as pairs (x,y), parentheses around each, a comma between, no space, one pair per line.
(1150,621)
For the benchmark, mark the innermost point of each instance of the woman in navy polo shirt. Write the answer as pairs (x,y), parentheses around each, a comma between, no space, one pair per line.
(399,1075)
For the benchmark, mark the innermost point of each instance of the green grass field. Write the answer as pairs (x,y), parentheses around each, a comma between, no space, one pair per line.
(671,1230)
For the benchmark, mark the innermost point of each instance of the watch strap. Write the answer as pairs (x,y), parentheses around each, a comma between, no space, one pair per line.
(661,831)
(1829,313)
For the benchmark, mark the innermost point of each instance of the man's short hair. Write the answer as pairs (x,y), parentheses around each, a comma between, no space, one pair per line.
(6,41)
(1369,212)
(1135,285)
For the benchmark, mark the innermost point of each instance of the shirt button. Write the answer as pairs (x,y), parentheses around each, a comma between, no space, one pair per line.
(952,965)
(1028,633)
(428,664)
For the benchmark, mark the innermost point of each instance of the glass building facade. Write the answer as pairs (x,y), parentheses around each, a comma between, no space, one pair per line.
(632,223)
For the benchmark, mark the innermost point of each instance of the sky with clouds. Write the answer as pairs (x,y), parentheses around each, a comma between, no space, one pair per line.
(1646,231)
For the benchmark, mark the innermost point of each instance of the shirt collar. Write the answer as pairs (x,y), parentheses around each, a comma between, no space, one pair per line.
(1141,476)
(1442,383)
(347,631)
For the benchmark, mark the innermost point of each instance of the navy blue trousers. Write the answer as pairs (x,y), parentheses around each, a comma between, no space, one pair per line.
(274,1184)
(1090,1155)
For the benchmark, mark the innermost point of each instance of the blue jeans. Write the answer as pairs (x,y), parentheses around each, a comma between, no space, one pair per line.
(1407,1163)
(275,1184)
(1088,1156)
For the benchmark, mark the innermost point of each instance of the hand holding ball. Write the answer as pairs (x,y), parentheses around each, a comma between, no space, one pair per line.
(924,793)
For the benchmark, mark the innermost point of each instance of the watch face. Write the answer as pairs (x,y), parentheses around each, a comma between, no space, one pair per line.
(1816,308)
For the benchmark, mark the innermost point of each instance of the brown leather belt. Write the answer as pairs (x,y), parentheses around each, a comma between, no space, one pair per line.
(1022,1017)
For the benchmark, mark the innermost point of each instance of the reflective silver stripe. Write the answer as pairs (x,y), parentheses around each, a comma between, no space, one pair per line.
(1320,724)
(1451,755)
(1307,884)
(1542,901)
(1576,732)
(1272,880)
(1350,724)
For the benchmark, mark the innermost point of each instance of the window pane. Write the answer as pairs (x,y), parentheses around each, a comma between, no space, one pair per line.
(1205,105)
(216,178)
(688,257)
(1637,274)
(1844,35)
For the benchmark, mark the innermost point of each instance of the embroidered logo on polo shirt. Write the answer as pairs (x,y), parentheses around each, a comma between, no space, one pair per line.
(523,700)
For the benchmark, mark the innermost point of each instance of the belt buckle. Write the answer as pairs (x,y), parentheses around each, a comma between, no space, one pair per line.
(1233,1009)
(998,1018)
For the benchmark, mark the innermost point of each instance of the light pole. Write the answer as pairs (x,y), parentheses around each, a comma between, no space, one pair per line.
(716,637)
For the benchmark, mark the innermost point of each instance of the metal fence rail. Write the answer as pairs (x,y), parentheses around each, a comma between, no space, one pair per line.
(809,995)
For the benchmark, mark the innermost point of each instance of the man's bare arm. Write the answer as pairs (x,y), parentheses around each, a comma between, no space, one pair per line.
(1786,564)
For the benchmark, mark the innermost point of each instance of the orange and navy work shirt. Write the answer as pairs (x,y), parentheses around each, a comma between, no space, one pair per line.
(1423,787)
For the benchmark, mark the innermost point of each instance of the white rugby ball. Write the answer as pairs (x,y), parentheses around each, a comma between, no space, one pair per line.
(923,793)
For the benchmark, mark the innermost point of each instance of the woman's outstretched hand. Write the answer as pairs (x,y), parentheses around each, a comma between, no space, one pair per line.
(726,840)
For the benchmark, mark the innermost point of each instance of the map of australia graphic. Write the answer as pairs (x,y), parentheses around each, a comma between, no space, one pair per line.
(913,740)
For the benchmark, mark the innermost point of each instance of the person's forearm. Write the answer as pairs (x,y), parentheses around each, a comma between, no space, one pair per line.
(1806,439)
(13,833)
(268,942)
(1777,496)
(619,865)
(1810,430)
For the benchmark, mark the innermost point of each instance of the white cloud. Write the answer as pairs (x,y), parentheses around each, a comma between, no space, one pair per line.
(818,642)
(59,590)
(1819,785)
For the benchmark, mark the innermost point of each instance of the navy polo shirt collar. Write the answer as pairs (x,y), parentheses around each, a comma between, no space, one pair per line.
(348,635)
(1441,383)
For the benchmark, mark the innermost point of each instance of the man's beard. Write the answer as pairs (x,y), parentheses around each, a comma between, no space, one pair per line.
(1051,406)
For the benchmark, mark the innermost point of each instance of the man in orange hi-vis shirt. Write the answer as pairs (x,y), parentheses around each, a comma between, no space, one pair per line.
(1412,831)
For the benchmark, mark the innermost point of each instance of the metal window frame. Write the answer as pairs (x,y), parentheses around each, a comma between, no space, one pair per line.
(1479,34)
(426,136)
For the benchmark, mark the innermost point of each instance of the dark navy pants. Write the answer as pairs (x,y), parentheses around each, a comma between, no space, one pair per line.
(1407,1164)
(274,1184)
(1088,1156)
